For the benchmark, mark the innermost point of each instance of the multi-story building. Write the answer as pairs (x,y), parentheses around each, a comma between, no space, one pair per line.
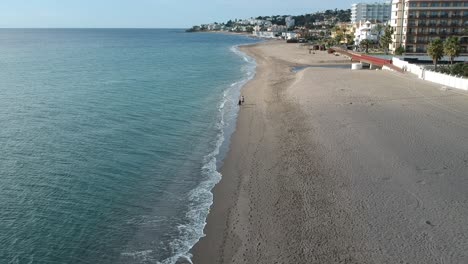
(277,28)
(376,12)
(367,31)
(418,22)
(346,30)
(214,27)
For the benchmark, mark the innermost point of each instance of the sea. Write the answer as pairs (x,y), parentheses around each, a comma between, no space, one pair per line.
(111,141)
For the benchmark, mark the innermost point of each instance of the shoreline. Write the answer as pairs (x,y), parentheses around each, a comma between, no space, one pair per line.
(226,191)
(324,167)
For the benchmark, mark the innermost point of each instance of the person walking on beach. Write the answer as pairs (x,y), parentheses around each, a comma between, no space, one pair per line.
(240,102)
(243,99)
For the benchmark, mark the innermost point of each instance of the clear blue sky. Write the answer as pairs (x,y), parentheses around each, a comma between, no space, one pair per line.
(148,13)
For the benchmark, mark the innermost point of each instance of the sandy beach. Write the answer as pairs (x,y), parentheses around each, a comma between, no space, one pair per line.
(329,165)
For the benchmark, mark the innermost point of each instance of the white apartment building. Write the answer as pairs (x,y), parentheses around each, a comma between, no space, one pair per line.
(289,35)
(375,12)
(266,34)
(277,28)
(366,31)
(214,27)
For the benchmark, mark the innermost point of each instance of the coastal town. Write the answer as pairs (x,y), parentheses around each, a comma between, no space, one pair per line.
(286,132)
(436,29)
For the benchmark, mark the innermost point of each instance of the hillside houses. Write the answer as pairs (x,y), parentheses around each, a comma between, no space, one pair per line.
(279,23)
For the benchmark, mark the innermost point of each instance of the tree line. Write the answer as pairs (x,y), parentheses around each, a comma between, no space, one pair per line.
(451,47)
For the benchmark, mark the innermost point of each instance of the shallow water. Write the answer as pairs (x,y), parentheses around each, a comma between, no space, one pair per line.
(110,141)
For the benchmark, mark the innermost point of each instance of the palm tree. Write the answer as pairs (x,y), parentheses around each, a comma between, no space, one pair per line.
(386,39)
(349,39)
(330,42)
(435,50)
(344,30)
(452,48)
(365,43)
(377,30)
(339,38)
(344,34)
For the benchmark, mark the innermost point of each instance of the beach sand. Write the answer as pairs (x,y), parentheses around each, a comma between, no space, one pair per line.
(338,166)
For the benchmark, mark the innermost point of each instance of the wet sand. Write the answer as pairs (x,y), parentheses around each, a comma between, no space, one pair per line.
(329,165)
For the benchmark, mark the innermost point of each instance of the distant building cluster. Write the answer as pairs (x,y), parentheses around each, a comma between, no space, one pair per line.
(260,27)
(404,25)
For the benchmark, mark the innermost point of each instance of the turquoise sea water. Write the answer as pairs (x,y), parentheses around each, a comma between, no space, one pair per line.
(110,140)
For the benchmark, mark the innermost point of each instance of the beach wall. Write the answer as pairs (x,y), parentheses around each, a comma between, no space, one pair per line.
(435,77)
(408,67)
(447,80)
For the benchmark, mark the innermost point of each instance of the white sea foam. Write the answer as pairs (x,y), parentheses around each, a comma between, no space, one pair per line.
(144,255)
(201,198)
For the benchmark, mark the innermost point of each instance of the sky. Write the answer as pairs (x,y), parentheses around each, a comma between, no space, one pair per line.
(147,13)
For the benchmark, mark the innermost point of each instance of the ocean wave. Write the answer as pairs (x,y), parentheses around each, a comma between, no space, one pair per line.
(144,255)
(201,198)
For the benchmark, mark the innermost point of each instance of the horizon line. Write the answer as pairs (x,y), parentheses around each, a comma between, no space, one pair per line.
(94,27)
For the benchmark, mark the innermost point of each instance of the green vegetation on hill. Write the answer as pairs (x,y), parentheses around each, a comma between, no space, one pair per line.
(317,20)
(336,15)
